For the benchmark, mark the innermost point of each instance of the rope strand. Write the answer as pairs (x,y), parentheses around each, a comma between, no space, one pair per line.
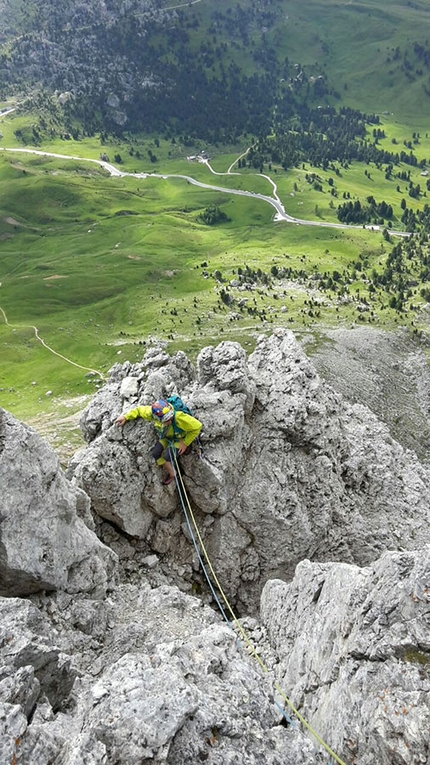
(188,513)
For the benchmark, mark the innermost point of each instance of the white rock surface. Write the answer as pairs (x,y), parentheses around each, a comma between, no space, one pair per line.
(353,647)
(105,662)
(163,682)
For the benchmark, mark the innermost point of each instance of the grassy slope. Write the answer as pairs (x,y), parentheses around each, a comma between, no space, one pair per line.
(97,283)
(353,44)
(94,280)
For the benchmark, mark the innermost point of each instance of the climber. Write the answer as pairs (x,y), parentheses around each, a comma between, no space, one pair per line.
(176,431)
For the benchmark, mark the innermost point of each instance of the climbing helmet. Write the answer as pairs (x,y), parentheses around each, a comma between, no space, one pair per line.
(162,410)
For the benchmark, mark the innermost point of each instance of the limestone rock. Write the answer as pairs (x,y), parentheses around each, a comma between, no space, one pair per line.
(289,472)
(288,469)
(164,682)
(28,643)
(44,544)
(129,387)
(353,649)
(98,415)
(387,371)
(34,674)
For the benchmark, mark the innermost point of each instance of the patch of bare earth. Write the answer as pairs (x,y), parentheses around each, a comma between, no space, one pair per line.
(13,222)
(61,428)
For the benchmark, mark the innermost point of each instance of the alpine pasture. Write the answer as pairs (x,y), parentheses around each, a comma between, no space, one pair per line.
(101,265)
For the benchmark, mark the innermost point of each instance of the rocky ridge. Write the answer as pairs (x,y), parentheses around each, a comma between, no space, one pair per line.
(290,469)
(316,522)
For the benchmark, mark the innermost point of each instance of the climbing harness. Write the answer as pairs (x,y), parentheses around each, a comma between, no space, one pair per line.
(199,545)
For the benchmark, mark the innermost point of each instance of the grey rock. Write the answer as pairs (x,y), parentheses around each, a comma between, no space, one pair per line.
(289,468)
(171,685)
(353,649)
(288,471)
(44,544)
(28,642)
(13,725)
(386,371)
(98,415)
(150,561)
(129,387)
(19,687)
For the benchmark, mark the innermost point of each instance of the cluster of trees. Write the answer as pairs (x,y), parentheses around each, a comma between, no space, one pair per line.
(407,267)
(323,135)
(405,273)
(423,53)
(373,212)
(126,66)
(250,275)
(416,220)
(213,215)
(412,61)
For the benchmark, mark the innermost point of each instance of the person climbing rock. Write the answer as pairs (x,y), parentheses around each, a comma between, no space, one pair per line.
(176,430)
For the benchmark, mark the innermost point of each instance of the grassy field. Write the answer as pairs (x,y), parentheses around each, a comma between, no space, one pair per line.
(103,266)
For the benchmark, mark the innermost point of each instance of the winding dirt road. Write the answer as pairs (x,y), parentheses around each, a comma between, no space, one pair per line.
(281,214)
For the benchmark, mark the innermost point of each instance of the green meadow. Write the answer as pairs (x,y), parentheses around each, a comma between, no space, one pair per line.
(351,44)
(104,266)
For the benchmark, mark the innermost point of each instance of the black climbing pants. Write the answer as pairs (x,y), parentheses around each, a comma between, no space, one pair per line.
(167,453)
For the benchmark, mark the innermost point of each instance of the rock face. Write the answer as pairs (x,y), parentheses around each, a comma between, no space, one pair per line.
(159,680)
(289,469)
(353,647)
(106,658)
(44,543)
(386,371)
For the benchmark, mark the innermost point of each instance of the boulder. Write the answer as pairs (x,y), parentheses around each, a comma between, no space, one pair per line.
(44,543)
(352,647)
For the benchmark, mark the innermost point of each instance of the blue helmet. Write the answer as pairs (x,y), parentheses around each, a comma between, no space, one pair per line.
(162,410)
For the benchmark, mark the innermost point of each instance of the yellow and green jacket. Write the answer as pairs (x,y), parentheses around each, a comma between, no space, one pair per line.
(186,429)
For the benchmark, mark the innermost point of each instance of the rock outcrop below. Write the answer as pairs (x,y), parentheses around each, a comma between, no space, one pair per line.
(290,470)
(158,679)
(44,542)
(353,646)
